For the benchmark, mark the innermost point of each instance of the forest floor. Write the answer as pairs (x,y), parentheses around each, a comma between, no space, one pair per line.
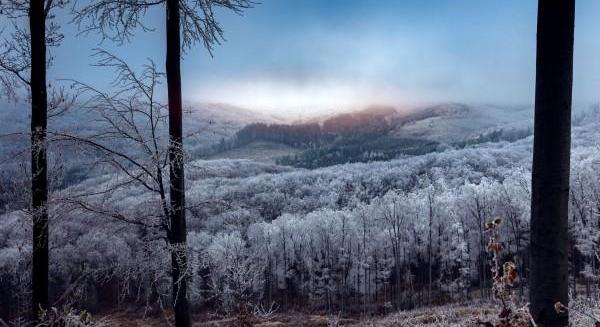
(448,316)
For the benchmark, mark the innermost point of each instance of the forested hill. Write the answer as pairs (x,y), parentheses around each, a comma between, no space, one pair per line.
(266,233)
(205,125)
(377,133)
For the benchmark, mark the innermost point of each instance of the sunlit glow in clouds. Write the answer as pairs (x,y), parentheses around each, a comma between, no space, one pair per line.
(300,98)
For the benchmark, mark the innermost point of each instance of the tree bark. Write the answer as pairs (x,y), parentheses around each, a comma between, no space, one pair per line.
(551,161)
(177,232)
(39,181)
(429,256)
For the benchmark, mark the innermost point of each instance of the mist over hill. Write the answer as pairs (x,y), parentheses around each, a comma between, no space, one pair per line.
(376,133)
(221,131)
(207,125)
(204,124)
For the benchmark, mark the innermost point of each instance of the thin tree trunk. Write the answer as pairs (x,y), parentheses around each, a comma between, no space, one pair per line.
(551,161)
(39,181)
(429,270)
(177,230)
(574,270)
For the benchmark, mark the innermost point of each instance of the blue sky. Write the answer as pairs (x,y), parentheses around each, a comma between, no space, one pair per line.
(298,55)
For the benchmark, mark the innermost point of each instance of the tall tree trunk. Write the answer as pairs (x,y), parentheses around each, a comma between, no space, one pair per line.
(39,181)
(429,262)
(551,161)
(177,233)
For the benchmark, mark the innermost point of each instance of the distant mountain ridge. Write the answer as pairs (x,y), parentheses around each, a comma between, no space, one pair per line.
(204,123)
(204,126)
(377,133)
(455,122)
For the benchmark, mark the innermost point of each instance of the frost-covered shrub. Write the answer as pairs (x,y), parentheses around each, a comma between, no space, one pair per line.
(504,276)
(69,317)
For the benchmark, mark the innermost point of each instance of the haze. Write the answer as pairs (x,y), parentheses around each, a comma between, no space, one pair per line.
(298,57)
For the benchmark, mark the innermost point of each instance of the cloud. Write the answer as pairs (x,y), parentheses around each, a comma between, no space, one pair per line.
(300,98)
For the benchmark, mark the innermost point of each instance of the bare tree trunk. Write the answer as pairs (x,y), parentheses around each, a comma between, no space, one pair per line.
(39,181)
(429,247)
(574,269)
(177,233)
(429,265)
(482,257)
(551,161)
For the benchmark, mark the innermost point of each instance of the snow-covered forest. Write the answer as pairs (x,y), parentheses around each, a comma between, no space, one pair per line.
(330,164)
(357,237)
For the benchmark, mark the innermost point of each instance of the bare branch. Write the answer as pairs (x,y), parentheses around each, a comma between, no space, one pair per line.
(15,51)
(117,20)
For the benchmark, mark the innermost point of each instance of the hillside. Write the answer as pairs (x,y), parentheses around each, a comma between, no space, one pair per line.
(459,122)
(261,151)
(205,125)
(378,133)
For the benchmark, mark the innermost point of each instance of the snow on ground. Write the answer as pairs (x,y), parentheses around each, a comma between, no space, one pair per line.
(447,316)
(451,315)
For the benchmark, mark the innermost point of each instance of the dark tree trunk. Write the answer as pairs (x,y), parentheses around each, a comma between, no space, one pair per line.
(39,182)
(551,161)
(177,229)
